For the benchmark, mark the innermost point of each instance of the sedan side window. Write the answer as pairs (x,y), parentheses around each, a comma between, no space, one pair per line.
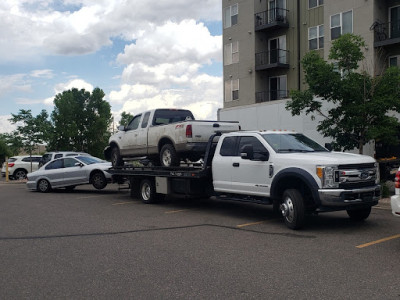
(70,162)
(57,164)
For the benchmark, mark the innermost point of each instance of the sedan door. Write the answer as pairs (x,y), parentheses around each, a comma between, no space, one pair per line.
(75,172)
(54,172)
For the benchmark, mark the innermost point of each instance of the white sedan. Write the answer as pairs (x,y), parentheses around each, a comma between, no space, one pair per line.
(395,199)
(69,172)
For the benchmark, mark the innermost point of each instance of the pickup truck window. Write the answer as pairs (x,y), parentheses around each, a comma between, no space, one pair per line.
(228,147)
(145,120)
(134,124)
(296,142)
(258,147)
(167,116)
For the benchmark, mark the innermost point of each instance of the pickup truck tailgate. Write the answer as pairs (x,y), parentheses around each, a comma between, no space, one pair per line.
(202,130)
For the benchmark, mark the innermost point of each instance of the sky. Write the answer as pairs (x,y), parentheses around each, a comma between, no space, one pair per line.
(143,54)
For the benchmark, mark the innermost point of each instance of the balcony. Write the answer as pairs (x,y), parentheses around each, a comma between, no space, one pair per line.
(271,19)
(274,59)
(386,34)
(271,95)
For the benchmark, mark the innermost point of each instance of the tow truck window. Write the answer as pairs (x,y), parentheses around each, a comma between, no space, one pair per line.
(258,148)
(228,147)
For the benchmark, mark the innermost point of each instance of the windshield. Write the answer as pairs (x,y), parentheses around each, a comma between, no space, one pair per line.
(295,142)
(88,160)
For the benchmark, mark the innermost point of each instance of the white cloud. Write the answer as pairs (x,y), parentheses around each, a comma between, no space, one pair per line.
(46,73)
(5,125)
(75,83)
(31,29)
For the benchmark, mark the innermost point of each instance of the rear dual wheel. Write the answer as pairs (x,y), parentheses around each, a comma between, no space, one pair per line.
(147,192)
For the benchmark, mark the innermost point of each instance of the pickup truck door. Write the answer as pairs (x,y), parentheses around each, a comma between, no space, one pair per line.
(129,140)
(250,176)
(141,135)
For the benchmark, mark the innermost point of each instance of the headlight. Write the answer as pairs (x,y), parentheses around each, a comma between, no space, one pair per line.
(329,176)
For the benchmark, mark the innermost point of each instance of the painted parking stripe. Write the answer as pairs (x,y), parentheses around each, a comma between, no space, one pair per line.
(122,203)
(175,211)
(250,224)
(379,241)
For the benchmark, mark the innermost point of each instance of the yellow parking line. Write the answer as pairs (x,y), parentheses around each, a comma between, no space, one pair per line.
(379,241)
(175,211)
(122,203)
(250,224)
(88,197)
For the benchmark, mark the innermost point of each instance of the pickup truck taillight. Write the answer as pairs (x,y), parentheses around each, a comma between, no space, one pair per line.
(397,180)
(189,131)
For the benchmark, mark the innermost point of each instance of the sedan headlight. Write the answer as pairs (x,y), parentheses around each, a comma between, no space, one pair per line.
(328,176)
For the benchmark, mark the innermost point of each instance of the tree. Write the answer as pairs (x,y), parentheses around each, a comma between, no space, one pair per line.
(81,120)
(5,150)
(13,142)
(30,130)
(354,105)
(125,118)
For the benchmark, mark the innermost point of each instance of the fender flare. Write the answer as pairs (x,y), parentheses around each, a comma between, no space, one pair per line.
(298,173)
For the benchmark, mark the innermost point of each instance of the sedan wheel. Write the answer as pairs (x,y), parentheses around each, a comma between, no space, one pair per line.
(44,186)
(99,181)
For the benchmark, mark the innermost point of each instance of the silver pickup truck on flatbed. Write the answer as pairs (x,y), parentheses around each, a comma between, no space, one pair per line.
(286,169)
(164,136)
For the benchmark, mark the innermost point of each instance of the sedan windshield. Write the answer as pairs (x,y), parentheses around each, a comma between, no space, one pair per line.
(88,160)
(295,142)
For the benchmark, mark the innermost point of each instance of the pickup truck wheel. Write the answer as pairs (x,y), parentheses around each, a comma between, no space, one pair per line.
(292,208)
(168,156)
(116,159)
(359,214)
(147,191)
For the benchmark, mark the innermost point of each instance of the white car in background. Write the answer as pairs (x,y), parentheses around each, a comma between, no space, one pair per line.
(395,199)
(20,166)
(68,172)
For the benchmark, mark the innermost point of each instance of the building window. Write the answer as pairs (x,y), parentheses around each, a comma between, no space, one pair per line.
(341,23)
(231,90)
(231,53)
(394,61)
(277,50)
(316,37)
(231,15)
(278,88)
(394,15)
(315,3)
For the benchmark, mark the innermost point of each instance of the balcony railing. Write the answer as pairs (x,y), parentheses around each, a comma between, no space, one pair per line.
(277,58)
(276,17)
(271,95)
(386,33)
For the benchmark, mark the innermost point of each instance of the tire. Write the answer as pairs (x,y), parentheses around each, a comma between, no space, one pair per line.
(168,156)
(359,214)
(147,192)
(292,208)
(43,186)
(116,159)
(98,180)
(20,174)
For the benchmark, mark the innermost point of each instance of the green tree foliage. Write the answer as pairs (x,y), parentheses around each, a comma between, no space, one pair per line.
(81,120)
(125,118)
(5,150)
(354,105)
(30,130)
(13,142)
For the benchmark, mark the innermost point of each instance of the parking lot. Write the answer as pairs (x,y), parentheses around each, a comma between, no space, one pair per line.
(103,244)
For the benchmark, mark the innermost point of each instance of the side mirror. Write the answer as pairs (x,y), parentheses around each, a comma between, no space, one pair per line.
(78,164)
(247,152)
(264,156)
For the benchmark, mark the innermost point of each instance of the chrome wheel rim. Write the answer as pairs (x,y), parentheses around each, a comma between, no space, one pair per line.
(146,192)
(43,185)
(287,209)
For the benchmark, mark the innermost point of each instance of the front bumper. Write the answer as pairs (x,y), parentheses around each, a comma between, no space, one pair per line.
(395,203)
(346,198)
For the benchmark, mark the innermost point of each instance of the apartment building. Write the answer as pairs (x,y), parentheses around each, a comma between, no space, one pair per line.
(265,40)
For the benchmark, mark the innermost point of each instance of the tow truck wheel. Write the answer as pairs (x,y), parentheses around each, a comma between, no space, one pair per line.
(168,156)
(292,209)
(147,191)
(359,214)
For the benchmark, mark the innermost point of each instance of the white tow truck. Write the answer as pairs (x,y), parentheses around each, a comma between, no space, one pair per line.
(286,169)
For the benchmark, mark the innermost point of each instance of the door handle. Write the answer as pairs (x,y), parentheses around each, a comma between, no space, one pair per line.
(235,164)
